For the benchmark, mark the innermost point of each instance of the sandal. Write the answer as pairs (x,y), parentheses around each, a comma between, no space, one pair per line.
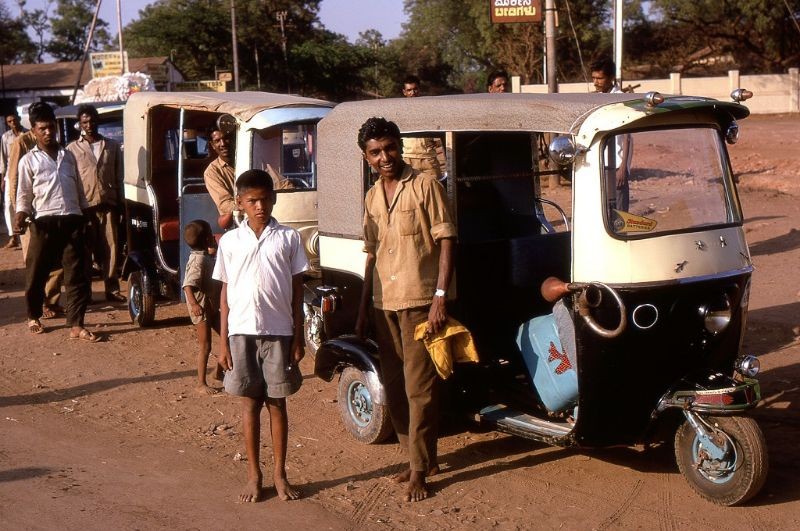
(35,327)
(51,312)
(85,335)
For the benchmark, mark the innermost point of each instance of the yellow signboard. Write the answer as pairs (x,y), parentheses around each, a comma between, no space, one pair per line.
(509,11)
(206,85)
(106,64)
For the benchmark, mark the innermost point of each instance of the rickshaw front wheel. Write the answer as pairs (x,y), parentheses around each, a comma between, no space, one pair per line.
(141,303)
(729,465)
(365,419)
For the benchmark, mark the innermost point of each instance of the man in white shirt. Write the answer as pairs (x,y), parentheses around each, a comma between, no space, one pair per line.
(50,201)
(14,130)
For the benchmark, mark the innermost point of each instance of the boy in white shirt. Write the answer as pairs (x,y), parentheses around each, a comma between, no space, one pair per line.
(261,265)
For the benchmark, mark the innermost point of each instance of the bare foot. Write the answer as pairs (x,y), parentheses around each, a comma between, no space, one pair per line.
(405,475)
(285,491)
(204,389)
(417,489)
(252,491)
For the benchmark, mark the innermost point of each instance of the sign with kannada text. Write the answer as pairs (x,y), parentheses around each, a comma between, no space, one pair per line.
(106,64)
(206,85)
(510,11)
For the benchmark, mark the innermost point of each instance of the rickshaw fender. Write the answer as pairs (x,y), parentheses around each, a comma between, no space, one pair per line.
(335,355)
(138,261)
(711,392)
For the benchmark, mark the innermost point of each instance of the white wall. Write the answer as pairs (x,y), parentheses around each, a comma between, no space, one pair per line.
(773,93)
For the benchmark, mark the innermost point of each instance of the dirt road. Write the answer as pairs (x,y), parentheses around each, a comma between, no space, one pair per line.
(111,435)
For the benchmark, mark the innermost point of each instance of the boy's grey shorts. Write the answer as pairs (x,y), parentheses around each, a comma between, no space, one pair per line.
(262,367)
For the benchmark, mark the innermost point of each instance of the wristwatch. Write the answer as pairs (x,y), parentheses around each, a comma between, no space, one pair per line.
(439,293)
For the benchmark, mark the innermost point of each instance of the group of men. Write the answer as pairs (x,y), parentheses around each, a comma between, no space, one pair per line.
(62,208)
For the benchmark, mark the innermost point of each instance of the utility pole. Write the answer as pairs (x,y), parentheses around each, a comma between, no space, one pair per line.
(281,16)
(86,51)
(235,47)
(550,39)
(119,28)
(618,40)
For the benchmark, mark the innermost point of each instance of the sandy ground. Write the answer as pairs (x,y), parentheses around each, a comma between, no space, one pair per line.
(111,435)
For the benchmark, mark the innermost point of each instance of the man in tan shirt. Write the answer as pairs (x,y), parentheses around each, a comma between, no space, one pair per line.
(426,155)
(220,176)
(100,167)
(409,240)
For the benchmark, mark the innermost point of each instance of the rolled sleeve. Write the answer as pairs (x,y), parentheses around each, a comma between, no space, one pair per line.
(370,233)
(24,187)
(441,223)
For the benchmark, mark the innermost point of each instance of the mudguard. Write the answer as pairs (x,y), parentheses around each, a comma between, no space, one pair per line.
(711,392)
(139,261)
(346,351)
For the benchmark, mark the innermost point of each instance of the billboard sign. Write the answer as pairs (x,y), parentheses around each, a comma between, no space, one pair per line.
(106,64)
(511,11)
(206,85)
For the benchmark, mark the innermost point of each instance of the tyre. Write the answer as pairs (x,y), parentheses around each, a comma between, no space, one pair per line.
(731,466)
(367,421)
(313,329)
(141,304)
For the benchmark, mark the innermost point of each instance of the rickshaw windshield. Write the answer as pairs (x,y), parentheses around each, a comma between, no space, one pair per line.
(288,154)
(667,180)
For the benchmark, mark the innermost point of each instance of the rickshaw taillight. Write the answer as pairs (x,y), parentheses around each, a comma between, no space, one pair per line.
(328,304)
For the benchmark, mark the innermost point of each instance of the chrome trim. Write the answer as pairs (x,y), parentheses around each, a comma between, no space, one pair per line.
(151,194)
(635,321)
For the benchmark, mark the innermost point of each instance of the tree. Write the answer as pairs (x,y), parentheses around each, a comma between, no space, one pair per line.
(70,29)
(15,45)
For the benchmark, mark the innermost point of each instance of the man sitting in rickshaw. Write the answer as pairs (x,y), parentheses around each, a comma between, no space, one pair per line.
(220,175)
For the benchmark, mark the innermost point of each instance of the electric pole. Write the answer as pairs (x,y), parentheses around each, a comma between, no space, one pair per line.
(235,47)
(550,39)
(281,16)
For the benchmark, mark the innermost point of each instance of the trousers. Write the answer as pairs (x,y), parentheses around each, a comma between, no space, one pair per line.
(57,240)
(411,385)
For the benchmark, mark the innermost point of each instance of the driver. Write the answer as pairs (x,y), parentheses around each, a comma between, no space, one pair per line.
(220,175)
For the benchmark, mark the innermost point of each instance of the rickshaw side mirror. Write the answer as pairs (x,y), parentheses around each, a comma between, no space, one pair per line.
(562,150)
(226,124)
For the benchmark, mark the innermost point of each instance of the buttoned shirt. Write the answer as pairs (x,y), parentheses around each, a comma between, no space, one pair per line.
(220,179)
(49,187)
(19,147)
(5,148)
(258,275)
(101,176)
(404,237)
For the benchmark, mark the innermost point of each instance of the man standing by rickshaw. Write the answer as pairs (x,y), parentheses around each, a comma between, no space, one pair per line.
(100,166)
(409,240)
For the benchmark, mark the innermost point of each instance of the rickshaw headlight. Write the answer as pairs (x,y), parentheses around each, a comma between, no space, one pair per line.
(748,366)
(717,317)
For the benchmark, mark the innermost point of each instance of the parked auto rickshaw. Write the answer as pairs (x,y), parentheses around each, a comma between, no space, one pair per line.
(645,347)
(166,153)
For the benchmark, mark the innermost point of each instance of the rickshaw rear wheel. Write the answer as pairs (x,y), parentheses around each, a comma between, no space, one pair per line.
(365,419)
(732,478)
(141,304)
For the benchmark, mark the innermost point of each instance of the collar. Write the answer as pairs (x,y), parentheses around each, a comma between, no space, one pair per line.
(221,162)
(271,226)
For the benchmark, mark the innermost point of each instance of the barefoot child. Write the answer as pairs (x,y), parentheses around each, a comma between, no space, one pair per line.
(202,295)
(260,265)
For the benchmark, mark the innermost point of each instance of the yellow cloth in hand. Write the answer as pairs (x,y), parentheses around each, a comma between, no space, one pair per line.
(452,344)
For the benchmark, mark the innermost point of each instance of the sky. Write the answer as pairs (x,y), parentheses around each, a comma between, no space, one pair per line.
(348,17)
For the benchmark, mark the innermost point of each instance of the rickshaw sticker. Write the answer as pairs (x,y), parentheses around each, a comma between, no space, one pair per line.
(564,364)
(627,222)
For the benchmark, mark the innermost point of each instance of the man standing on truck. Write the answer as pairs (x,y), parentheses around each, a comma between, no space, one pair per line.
(409,239)
(220,175)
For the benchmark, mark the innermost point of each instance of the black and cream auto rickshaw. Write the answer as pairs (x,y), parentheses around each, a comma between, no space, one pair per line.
(645,345)
(166,153)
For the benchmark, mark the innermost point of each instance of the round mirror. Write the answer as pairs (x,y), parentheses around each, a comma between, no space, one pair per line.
(226,123)
(562,150)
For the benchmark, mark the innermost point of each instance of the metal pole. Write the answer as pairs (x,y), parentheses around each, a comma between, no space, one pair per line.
(281,16)
(550,37)
(86,51)
(235,47)
(618,40)
(121,49)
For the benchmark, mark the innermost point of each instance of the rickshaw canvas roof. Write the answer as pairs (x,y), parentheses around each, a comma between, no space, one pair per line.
(241,105)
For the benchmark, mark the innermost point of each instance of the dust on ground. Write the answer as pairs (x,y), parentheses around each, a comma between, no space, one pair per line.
(112,435)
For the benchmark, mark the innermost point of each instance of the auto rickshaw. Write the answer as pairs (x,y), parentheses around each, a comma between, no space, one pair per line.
(166,153)
(645,345)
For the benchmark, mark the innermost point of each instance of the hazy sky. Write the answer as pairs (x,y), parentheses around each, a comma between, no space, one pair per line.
(342,16)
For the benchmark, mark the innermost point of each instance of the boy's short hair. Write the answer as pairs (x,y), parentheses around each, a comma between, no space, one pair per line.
(41,112)
(411,79)
(604,65)
(374,128)
(87,109)
(253,179)
(194,232)
(494,75)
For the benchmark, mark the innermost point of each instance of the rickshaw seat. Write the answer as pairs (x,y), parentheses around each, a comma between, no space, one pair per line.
(169,230)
